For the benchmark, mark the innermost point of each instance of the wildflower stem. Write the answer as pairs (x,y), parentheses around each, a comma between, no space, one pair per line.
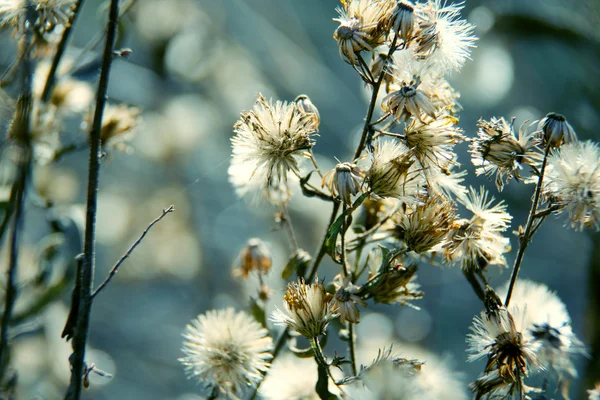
(60,50)
(527,235)
(314,163)
(287,221)
(85,278)
(343,240)
(367,127)
(320,358)
(115,268)
(21,131)
(352,347)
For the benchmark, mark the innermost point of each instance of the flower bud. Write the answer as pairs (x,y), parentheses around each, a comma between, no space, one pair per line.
(556,130)
(256,256)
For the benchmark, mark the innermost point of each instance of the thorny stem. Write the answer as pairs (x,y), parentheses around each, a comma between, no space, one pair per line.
(21,126)
(367,127)
(60,50)
(527,235)
(85,278)
(115,268)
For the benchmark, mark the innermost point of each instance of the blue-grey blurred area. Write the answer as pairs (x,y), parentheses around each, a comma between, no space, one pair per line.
(195,65)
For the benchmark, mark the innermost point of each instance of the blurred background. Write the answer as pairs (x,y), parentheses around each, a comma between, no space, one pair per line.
(195,65)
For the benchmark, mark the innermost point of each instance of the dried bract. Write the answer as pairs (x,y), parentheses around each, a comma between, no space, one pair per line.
(409,101)
(345,300)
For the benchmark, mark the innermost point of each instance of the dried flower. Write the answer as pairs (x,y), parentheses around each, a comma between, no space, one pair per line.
(426,228)
(226,349)
(404,21)
(389,280)
(556,130)
(510,356)
(47,14)
(256,256)
(118,125)
(497,150)
(477,242)
(444,38)
(432,142)
(546,324)
(308,309)
(572,181)
(364,25)
(345,300)
(268,141)
(392,172)
(408,101)
(344,181)
(306,106)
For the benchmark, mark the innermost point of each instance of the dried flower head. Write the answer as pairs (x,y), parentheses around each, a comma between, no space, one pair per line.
(510,356)
(364,25)
(256,256)
(308,309)
(572,181)
(307,107)
(393,173)
(409,101)
(426,228)
(390,281)
(546,324)
(404,20)
(118,125)
(556,130)
(497,150)
(344,181)
(477,242)
(47,14)
(268,143)
(443,37)
(346,299)
(226,349)
(432,143)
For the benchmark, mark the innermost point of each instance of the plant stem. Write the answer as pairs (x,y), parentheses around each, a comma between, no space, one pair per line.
(367,127)
(343,239)
(115,268)
(60,50)
(85,279)
(320,358)
(352,347)
(287,221)
(21,132)
(527,235)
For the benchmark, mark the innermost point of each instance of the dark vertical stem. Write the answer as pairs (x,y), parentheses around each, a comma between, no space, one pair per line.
(367,127)
(60,50)
(525,238)
(352,347)
(20,131)
(86,276)
(592,374)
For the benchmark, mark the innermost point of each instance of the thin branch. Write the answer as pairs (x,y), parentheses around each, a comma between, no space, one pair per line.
(525,238)
(85,279)
(21,132)
(115,268)
(287,222)
(352,347)
(343,241)
(60,51)
(371,109)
